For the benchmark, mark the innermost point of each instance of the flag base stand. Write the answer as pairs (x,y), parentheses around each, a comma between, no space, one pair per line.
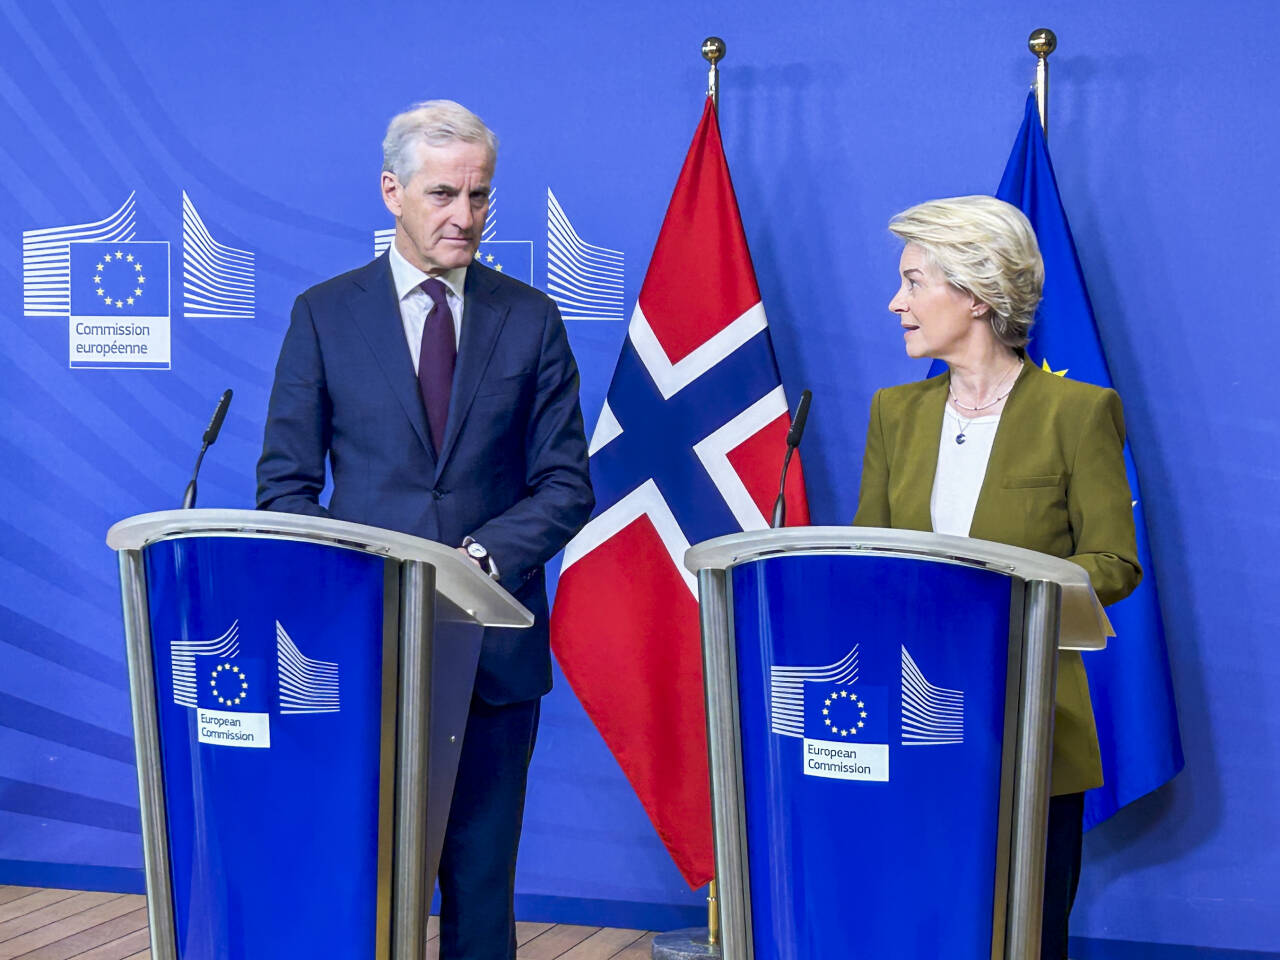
(690,944)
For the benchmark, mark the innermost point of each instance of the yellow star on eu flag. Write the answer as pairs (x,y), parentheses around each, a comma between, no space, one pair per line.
(1044,365)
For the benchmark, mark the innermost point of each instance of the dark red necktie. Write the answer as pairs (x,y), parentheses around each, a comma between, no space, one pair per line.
(436,360)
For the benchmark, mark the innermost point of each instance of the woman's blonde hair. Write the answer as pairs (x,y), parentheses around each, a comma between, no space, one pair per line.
(986,248)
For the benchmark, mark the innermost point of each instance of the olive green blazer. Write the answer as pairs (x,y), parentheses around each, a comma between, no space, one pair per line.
(1055,483)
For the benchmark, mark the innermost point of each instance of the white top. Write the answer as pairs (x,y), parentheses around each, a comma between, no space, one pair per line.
(415,304)
(961,469)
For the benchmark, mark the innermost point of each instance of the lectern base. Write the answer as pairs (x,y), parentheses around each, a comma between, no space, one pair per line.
(690,944)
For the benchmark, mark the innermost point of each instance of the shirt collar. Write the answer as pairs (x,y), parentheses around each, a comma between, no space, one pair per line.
(408,277)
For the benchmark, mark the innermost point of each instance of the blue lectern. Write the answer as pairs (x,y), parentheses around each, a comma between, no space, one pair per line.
(300,689)
(880,723)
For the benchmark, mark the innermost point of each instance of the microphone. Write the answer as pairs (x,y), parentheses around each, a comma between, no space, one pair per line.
(793,441)
(210,435)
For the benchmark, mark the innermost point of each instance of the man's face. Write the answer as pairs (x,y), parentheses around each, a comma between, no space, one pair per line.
(440,212)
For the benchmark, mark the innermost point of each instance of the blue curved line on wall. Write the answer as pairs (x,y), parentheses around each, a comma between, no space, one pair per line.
(143,103)
(35,638)
(50,804)
(55,727)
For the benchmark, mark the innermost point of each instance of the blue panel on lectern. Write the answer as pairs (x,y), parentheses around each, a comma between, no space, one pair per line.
(872,697)
(268,660)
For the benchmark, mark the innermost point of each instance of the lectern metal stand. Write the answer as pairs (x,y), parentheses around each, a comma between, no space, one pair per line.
(880,726)
(300,689)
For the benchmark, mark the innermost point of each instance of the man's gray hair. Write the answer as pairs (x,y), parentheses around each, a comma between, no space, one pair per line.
(986,248)
(434,122)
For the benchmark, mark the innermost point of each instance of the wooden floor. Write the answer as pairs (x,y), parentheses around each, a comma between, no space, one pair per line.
(40,924)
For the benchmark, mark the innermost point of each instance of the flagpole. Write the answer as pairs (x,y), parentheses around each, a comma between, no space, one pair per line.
(713,53)
(1042,42)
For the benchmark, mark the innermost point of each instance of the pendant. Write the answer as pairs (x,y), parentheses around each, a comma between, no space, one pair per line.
(960,438)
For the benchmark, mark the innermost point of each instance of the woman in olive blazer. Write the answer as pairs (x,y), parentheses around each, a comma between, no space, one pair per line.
(1000,450)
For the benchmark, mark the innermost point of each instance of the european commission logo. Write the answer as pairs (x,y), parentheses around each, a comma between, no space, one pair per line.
(115,290)
(234,694)
(844,722)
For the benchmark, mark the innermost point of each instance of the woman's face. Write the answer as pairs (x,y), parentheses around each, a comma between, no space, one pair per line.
(936,317)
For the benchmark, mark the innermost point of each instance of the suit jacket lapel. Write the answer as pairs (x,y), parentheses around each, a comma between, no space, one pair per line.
(920,458)
(482,320)
(1003,452)
(376,312)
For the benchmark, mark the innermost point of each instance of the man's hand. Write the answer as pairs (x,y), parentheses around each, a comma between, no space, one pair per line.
(470,559)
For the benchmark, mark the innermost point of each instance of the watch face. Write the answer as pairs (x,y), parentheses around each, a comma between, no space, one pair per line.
(477,551)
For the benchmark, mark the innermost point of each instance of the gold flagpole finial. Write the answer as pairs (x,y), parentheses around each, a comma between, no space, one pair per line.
(713,53)
(1042,42)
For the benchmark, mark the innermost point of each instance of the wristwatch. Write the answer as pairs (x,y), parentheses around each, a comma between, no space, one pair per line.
(477,552)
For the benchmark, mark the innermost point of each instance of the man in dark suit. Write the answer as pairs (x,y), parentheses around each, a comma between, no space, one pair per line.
(445,397)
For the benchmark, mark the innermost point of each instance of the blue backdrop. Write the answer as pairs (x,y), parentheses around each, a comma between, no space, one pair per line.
(247,140)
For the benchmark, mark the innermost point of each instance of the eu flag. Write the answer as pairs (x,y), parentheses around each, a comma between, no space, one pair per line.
(846,713)
(235,684)
(1129,681)
(120,278)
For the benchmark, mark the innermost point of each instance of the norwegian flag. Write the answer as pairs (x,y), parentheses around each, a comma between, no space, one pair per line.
(687,447)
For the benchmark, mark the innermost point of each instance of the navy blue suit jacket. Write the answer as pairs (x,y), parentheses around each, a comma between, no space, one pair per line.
(513,469)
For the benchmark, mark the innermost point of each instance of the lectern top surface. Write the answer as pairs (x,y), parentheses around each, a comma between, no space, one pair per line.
(457,578)
(1084,622)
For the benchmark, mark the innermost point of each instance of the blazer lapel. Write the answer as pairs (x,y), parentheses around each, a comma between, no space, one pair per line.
(482,321)
(1000,463)
(920,457)
(376,313)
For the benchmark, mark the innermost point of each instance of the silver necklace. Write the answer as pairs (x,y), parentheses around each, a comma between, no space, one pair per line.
(962,424)
(990,403)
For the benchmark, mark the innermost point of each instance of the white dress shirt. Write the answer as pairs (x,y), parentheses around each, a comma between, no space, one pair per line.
(415,304)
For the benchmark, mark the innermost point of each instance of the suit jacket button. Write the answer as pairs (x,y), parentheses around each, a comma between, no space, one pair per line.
(438,494)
